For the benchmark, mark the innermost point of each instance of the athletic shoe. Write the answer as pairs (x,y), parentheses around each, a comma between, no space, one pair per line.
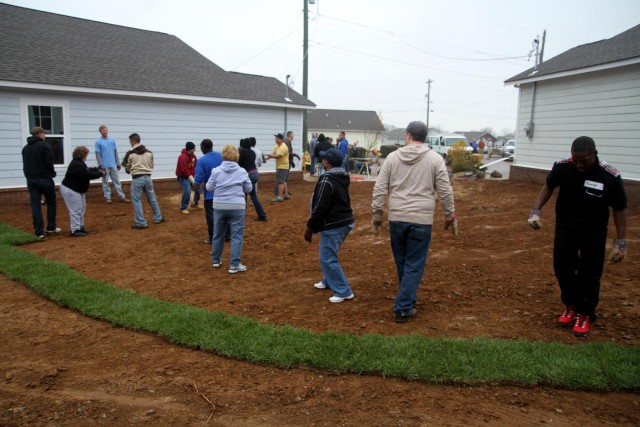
(336,299)
(125,200)
(320,285)
(216,265)
(184,211)
(287,197)
(567,317)
(260,219)
(198,207)
(277,199)
(207,241)
(56,230)
(581,327)
(401,317)
(161,220)
(108,201)
(77,233)
(40,237)
(237,268)
(138,227)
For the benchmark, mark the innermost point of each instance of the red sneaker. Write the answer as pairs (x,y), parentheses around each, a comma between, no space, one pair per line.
(567,317)
(581,327)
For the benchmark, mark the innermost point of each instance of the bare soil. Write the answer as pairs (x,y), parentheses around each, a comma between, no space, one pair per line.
(495,279)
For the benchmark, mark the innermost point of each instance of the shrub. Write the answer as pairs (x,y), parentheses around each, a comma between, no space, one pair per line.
(385,150)
(460,158)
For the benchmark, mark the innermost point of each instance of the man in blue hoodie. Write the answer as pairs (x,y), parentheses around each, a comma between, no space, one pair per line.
(210,160)
(332,217)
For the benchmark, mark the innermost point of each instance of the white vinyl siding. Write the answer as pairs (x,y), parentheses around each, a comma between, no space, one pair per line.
(164,127)
(604,105)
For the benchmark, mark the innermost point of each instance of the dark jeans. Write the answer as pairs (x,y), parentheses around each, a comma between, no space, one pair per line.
(208,213)
(409,244)
(37,188)
(578,261)
(253,176)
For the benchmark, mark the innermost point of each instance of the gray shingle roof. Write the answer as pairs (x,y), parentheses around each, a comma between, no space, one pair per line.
(353,120)
(46,48)
(624,46)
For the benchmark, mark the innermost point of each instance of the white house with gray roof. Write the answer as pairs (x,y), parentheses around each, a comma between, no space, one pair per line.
(70,75)
(592,90)
(362,127)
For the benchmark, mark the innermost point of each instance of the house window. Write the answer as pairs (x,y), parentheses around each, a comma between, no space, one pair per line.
(50,118)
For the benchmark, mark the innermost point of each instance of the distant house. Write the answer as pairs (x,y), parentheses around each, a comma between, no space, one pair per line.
(70,75)
(362,127)
(592,90)
(394,137)
(486,136)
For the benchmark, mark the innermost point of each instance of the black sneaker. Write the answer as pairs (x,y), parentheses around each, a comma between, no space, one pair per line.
(78,233)
(401,317)
(139,227)
(260,219)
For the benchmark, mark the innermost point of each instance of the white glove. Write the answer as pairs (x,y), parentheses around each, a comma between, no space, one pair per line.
(191,179)
(534,218)
(453,223)
(619,251)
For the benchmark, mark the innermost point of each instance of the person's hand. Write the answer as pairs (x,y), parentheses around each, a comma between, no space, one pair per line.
(376,223)
(619,250)
(308,235)
(119,167)
(452,223)
(534,218)
(191,179)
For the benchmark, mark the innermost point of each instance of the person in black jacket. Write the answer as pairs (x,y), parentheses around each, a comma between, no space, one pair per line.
(332,217)
(74,188)
(322,145)
(38,168)
(247,161)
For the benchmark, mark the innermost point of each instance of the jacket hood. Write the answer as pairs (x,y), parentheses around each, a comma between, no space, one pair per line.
(339,176)
(412,153)
(33,139)
(229,166)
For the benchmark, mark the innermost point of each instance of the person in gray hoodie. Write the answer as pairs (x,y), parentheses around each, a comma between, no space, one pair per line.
(229,183)
(409,179)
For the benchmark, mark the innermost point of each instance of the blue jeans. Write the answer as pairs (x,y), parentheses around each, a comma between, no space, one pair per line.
(345,163)
(313,165)
(115,178)
(186,193)
(253,176)
(332,274)
(139,185)
(37,188)
(409,243)
(234,219)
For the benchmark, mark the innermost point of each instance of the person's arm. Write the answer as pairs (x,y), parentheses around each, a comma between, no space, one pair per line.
(620,243)
(115,155)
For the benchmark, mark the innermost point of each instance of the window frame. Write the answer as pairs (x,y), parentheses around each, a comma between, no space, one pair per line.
(26,102)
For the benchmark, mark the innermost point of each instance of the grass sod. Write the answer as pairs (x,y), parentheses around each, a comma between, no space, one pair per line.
(589,366)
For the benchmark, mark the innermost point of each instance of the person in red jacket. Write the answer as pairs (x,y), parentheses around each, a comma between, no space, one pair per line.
(185,172)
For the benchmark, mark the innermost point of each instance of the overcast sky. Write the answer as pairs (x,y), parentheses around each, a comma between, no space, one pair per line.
(378,54)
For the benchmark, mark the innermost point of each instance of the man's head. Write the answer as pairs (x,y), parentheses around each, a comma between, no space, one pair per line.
(134,139)
(39,132)
(253,141)
(104,130)
(279,138)
(290,136)
(331,158)
(340,136)
(206,146)
(583,153)
(416,131)
(190,147)
(230,153)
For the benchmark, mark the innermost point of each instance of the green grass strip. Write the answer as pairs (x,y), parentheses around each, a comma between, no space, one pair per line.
(590,366)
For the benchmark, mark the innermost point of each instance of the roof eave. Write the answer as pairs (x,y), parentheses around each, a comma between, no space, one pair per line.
(575,72)
(150,95)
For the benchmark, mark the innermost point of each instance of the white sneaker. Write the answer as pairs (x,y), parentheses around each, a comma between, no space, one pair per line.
(237,268)
(216,265)
(320,285)
(335,299)
(56,231)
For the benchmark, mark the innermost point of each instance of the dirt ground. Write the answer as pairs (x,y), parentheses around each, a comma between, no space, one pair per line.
(495,279)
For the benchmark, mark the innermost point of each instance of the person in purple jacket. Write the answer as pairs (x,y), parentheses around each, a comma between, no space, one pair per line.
(229,184)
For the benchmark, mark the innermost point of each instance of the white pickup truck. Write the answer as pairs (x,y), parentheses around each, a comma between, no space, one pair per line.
(442,143)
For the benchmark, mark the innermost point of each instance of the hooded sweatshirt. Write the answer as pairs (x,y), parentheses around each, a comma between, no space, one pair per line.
(330,202)
(186,166)
(138,161)
(410,177)
(229,183)
(37,159)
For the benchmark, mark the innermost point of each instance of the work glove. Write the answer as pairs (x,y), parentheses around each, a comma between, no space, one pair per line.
(308,235)
(376,223)
(619,250)
(534,218)
(191,180)
(452,223)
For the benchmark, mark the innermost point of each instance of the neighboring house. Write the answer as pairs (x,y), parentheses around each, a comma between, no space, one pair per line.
(70,75)
(592,90)
(362,127)
(394,137)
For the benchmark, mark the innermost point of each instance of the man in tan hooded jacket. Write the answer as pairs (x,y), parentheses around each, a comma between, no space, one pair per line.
(410,178)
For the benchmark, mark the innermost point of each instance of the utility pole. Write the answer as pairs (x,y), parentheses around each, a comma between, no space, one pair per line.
(305,70)
(428,101)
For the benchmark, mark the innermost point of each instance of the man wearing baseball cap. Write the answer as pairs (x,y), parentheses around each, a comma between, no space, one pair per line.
(281,154)
(332,217)
(409,179)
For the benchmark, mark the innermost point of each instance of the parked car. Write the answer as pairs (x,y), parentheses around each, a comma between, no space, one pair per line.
(442,143)
(509,149)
